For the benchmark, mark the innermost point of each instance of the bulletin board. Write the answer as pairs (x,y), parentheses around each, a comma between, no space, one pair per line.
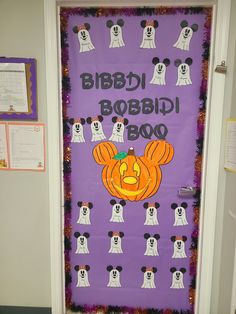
(134,86)
(18,89)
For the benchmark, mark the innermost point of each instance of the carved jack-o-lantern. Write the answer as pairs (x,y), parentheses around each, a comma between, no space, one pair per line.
(131,177)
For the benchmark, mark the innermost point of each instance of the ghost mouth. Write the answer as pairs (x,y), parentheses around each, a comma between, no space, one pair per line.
(116,34)
(84,37)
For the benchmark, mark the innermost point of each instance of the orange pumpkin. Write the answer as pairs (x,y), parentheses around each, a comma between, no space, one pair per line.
(131,177)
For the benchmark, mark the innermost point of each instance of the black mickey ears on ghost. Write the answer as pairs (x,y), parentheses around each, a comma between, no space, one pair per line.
(146,236)
(156,236)
(112,202)
(110,23)
(177,62)
(122,202)
(80,204)
(156,60)
(81,121)
(120,22)
(110,267)
(115,119)
(166,62)
(189,61)
(143,23)
(184,238)
(77,267)
(99,118)
(184,205)
(194,27)
(184,23)
(146,205)
(77,234)
(76,28)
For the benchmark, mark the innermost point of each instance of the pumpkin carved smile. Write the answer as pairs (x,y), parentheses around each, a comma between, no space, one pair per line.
(131,177)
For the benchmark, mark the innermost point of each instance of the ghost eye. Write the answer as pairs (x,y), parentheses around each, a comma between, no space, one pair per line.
(137,169)
(123,168)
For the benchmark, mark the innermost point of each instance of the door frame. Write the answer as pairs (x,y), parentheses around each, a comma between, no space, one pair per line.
(211,163)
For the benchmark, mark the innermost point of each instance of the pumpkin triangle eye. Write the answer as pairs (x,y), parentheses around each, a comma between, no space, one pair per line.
(123,168)
(137,169)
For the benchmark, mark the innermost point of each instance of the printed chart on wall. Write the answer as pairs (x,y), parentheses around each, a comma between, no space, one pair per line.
(134,87)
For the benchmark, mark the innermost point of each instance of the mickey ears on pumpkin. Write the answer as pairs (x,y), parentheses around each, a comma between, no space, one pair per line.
(104,152)
(159,152)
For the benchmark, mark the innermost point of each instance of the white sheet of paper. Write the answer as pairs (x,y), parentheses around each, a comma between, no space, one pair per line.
(26,147)
(4,163)
(13,89)
(230,145)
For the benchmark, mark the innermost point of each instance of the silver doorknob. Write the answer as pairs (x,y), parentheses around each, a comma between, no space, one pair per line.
(187,191)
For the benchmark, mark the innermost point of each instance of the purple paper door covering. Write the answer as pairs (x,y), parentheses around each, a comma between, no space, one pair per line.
(134,85)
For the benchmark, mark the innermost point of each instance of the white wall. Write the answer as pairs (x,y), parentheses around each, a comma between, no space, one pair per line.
(226,225)
(24,206)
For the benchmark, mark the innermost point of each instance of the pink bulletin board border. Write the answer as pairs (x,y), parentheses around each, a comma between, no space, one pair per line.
(8,159)
(8,149)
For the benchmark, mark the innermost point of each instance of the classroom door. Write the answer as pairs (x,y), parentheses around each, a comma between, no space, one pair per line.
(134,87)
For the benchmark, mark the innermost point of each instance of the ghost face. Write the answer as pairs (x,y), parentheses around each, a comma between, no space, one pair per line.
(114,279)
(151,216)
(180,214)
(151,246)
(149,32)
(160,68)
(116,31)
(115,245)
(148,278)
(117,213)
(82,243)
(187,32)
(82,276)
(84,216)
(179,247)
(183,69)
(85,41)
(96,128)
(184,77)
(77,133)
(119,128)
(177,278)
(118,132)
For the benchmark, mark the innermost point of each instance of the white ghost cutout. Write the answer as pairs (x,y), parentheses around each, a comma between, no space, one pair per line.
(185,36)
(116,36)
(149,32)
(159,72)
(184,75)
(118,129)
(84,37)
